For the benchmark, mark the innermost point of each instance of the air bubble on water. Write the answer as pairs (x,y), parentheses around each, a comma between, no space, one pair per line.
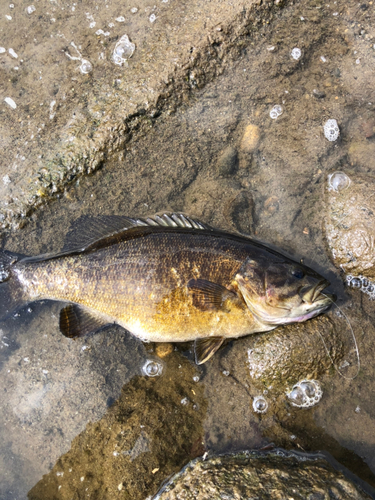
(331,130)
(296,53)
(123,50)
(308,388)
(260,404)
(86,66)
(196,378)
(338,181)
(276,111)
(305,394)
(152,368)
(362,283)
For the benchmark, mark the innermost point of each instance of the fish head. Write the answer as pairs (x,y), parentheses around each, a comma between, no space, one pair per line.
(282,292)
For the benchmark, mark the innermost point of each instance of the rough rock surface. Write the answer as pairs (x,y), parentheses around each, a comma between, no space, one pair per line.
(350,224)
(63,122)
(274,475)
(282,357)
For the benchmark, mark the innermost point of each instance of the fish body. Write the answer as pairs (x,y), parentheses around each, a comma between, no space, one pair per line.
(167,279)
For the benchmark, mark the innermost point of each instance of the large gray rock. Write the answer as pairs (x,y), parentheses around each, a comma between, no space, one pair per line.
(273,475)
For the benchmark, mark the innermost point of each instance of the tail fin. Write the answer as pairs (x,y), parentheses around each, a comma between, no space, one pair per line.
(11,293)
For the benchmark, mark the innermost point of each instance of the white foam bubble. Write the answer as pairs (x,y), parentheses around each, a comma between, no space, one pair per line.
(123,50)
(305,393)
(296,53)
(331,130)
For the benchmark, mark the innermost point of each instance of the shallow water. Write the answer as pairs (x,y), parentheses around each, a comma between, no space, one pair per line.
(54,387)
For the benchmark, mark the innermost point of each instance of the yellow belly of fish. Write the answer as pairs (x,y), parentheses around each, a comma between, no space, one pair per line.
(150,310)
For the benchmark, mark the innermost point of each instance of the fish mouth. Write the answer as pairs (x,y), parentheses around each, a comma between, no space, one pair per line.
(313,294)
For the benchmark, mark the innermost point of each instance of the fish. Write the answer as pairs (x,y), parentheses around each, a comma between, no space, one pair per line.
(166,278)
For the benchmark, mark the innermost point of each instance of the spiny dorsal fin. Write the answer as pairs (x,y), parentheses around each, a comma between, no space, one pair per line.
(209,296)
(88,229)
(75,321)
(205,348)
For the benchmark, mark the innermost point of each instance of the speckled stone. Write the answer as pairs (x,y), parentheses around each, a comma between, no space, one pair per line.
(274,475)
(350,225)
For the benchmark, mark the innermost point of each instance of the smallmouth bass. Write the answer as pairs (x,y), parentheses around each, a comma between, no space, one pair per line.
(165,279)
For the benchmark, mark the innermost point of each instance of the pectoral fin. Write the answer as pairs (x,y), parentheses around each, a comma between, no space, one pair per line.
(209,296)
(205,348)
(75,321)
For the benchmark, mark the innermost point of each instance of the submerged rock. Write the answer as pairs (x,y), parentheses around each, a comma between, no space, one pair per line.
(150,432)
(275,474)
(278,359)
(350,222)
(227,162)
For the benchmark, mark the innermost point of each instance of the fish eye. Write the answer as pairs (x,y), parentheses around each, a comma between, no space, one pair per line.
(298,273)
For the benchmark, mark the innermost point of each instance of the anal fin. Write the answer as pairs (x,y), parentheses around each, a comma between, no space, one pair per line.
(76,321)
(205,348)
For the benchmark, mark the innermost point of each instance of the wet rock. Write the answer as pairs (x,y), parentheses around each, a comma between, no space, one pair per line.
(163,349)
(368,128)
(362,152)
(271,205)
(276,474)
(350,223)
(227,162)
(250,138)
(280,358)
(221,203)
(146,435)
(239,210)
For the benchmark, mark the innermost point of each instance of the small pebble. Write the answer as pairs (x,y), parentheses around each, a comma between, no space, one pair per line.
(271,205)
(163,349)
(250,138)
(13,53)
(10,102)
(227,162)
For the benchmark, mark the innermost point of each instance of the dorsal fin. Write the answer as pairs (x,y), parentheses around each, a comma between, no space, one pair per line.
(88,229)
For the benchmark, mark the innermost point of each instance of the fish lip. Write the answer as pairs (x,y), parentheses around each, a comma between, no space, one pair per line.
(313,294)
